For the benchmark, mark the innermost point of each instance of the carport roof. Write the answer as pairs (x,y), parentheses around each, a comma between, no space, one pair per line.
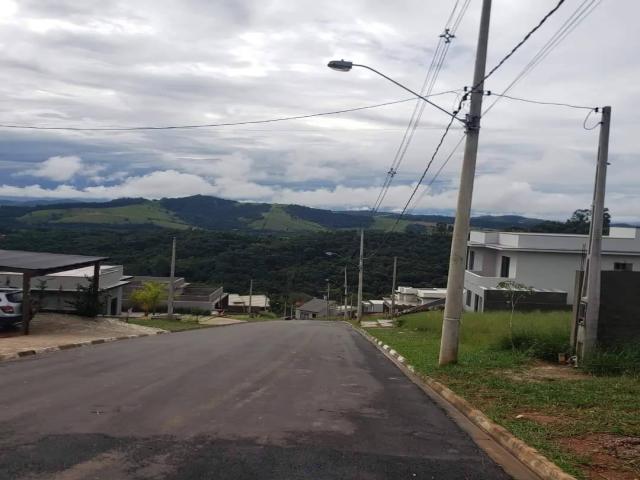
(41,263)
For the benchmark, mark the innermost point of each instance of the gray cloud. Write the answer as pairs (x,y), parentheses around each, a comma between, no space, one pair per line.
(96,63)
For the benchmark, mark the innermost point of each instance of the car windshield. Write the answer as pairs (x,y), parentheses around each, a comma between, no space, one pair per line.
(14,297)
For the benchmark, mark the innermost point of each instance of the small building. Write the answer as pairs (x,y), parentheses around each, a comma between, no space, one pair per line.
(187,296)
(407,298)
(373,306)
(56,291)
(316,308)
(544,262)
(240,303)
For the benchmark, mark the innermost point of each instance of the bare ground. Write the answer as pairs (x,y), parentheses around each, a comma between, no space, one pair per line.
(55,329)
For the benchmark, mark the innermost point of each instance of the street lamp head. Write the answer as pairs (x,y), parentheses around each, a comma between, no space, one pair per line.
(340,65)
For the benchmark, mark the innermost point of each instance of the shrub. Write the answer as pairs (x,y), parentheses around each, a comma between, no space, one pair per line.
(623,360)
(544,345)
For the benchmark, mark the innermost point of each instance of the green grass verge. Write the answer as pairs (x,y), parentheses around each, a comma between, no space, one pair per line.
(188,323)
(498,379)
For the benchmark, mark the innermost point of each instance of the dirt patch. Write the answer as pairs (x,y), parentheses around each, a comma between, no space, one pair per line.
(545,372)
(611,457)
(55,329)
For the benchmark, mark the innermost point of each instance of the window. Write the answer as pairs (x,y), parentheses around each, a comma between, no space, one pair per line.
(476,303)
(472,260)
(622,267)
(504,266)
(468,298)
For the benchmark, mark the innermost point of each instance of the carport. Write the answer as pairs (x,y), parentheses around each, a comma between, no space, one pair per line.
(36,264)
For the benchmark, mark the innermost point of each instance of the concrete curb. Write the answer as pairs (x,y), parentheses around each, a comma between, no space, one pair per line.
(529,456)
(68,346)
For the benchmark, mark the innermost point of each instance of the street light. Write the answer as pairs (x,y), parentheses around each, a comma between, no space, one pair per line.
(346,66)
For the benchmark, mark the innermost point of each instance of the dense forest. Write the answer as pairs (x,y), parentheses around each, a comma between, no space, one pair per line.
(281,266)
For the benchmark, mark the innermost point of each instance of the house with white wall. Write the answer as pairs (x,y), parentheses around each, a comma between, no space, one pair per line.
(56,291)
(546,262)
(411,297)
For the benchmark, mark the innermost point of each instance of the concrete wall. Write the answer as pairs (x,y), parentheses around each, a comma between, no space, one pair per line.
(499,300)
(619,308)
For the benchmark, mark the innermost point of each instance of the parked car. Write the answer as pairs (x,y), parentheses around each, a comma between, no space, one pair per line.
(10,308)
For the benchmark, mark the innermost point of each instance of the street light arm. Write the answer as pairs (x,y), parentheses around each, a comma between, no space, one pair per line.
(410,91)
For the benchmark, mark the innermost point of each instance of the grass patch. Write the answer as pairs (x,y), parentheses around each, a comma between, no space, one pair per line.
(137,214)
(498,379)
(184,323)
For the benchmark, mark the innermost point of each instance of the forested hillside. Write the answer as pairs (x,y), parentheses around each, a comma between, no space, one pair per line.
(281,266)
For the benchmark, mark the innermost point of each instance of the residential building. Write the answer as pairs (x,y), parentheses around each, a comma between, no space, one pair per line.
(57,291)
(410,297)
(316,308)
(545,262)
(373,306)
(187,296)
(240,303)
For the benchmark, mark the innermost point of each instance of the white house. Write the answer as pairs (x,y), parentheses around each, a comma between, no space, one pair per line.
(407,297)
(56,290)
(547,262)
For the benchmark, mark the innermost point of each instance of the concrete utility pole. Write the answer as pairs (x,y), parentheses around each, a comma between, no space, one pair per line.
(360,275)
(250,295)
(346,293)
(592,281)
(172,279)
(455,280)
(328,292)
(393,287)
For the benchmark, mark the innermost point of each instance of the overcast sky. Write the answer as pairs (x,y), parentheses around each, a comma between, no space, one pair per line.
(142,62)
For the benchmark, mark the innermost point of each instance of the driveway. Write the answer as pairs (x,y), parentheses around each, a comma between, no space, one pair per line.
(54,329)
(270,400)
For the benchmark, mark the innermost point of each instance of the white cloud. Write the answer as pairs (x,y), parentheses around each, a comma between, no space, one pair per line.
(58,169)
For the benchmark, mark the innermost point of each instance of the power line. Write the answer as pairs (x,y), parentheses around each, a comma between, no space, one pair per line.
(540,102)
(428,84)
(208,125)
(522,42)
(579,14)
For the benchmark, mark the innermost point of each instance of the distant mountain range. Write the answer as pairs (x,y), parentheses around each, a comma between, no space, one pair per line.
(212,213)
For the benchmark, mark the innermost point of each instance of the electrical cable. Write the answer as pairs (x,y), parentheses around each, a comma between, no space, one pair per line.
(208,125)
(431,76)
(584,124)
(579,14)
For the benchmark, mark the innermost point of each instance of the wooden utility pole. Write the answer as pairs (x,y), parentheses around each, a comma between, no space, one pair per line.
(393,287)
(250,295)
(360,276)
(172,280)
(455,280)
(588,337)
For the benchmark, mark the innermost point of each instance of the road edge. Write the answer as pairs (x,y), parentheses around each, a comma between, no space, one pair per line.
(527,455)
(68,346)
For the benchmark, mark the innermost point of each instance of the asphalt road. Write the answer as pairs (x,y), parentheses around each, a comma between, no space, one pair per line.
(272,400)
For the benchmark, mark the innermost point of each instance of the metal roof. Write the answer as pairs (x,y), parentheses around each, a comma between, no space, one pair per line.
(40,263)
(316,305)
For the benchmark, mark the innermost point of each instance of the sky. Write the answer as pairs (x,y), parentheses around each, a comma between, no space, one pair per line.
(66,63)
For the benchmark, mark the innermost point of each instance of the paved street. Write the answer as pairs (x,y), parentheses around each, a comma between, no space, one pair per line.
(271,400)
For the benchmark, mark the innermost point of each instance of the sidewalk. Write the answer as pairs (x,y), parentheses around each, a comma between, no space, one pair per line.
(52,330)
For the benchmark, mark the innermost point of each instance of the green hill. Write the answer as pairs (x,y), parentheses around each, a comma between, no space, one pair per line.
(212,213)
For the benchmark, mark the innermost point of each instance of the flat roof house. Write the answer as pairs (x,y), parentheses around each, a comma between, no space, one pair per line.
(55,291)
(546,262)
